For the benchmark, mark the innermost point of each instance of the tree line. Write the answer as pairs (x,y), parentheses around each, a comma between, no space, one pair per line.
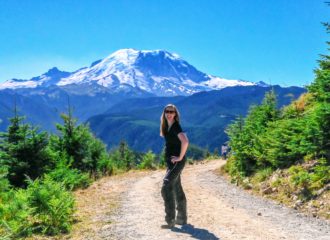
(269,138)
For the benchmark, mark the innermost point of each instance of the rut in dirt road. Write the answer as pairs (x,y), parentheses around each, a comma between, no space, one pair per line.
(216,210)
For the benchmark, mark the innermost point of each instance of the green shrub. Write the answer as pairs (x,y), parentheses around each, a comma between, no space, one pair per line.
(44,207)
(15,214)
(262,175)
(277,182)
(4,183)
(235,169)
(123,157)
(300,177)
(14,210)
(321,175)
(71,178)
(148,161)
(52,204)
(105,166)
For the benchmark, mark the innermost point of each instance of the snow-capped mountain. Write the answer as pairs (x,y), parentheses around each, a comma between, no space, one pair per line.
(157,72)
(49,78)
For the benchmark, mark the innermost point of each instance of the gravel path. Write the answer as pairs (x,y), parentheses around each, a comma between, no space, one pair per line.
(216,210)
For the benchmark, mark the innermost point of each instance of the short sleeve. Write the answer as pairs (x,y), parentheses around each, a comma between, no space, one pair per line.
(177,128)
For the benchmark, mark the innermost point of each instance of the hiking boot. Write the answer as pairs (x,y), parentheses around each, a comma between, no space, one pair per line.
(169,225)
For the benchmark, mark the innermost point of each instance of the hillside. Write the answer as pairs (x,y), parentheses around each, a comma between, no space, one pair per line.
(204,116)
(285,153)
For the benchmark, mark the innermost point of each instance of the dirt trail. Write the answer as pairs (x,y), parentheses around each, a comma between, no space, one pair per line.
(216,210)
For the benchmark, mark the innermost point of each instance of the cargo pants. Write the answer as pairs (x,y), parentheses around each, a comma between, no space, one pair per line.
(173,195)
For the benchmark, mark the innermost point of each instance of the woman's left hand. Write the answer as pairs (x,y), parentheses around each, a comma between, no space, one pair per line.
(175,159)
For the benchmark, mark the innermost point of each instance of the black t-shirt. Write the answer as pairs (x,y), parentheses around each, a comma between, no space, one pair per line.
(173,143)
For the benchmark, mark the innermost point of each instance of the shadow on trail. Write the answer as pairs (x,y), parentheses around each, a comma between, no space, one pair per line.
(197,233)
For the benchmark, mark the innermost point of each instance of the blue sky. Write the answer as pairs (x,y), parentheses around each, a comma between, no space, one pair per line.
(276,41)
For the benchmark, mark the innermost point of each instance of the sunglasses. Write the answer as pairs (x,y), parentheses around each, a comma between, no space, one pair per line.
(169,111)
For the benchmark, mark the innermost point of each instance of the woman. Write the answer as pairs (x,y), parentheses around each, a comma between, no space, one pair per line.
(175,150)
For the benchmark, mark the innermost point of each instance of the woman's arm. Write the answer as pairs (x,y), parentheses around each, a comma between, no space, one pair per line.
(184,146)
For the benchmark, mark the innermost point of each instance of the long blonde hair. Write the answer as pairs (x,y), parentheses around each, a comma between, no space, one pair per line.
(163,120)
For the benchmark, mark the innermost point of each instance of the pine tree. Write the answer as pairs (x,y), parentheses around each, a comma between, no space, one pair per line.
(24,151)
(13,130)
(78,142)
(237,164)
(123,157)
(126,155)
(320,89)
(245,137)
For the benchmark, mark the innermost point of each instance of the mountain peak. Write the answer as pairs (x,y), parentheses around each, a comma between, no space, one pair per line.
(53,74)
(158,72)
(130,56)
(123,55)
(52,71)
